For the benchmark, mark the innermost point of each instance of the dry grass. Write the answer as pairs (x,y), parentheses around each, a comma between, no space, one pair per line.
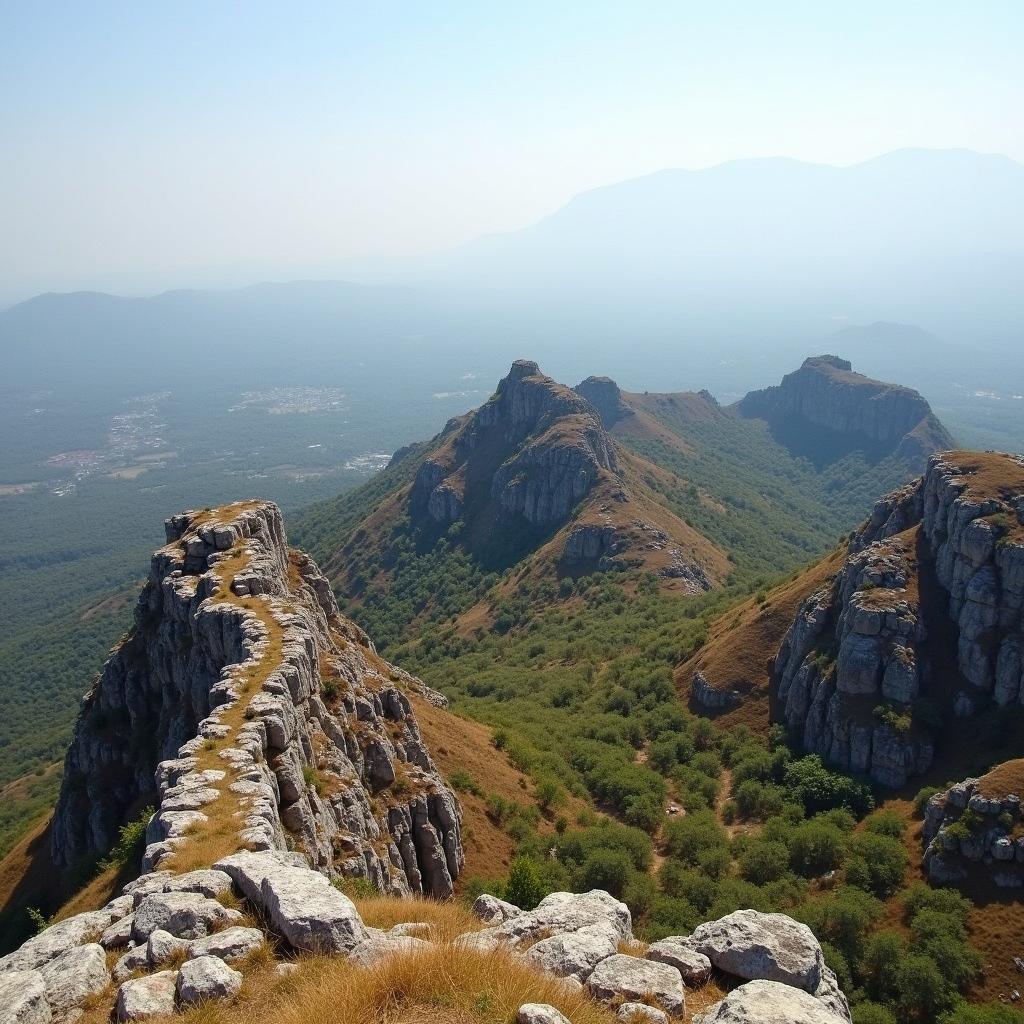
(744,638)
(440,985)
(446,920)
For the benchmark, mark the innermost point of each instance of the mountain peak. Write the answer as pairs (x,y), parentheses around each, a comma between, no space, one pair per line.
(825,410)
(604,395)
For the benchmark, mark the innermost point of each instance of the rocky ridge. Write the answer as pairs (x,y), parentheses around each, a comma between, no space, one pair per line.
(535,472)
(241,683)
(557,450)
(825,393)
(940,560)
(975,827)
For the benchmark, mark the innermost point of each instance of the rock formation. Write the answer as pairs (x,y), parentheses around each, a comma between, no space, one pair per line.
(240,684)
(826,396)
(533,471)
(974,827)
(922,620)
(533,451)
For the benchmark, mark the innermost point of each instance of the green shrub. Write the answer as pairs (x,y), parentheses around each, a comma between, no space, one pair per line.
(524,886)
(877,864)
(923,796)
(131,838)
(816,847)
(764,862)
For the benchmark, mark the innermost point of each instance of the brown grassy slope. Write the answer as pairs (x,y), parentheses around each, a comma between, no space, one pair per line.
(457,744)
(743,640)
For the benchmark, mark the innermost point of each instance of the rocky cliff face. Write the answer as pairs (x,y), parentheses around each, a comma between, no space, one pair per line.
(532,452)
(923,619)
(253,716)
(825,393)
(975,827)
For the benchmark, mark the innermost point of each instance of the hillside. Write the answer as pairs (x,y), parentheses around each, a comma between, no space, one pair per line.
(528,490)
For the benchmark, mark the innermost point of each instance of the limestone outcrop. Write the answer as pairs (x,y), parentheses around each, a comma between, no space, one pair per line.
(974,828)
(826,395)
(531,453)
(326,759)
(927,604)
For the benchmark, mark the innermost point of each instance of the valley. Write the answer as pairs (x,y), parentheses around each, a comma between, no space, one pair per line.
(599,583)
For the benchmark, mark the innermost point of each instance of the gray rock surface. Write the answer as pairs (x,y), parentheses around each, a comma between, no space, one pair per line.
(768,1002)
(230,945)
(372,950)
(72,977)
(768,947)
(574,953)
(187,915)
(539,1013)
(640,1013)
(301,905)
(491,910)
(23,998)
(561,913)
(151,996)
(678,952)
(629,978)
(207,978)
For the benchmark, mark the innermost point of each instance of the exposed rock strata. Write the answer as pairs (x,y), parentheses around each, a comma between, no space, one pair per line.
(324,739)
(827,395)
(973,828)
(867,646)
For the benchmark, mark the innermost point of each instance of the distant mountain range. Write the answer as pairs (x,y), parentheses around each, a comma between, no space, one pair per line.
(544,482)
(913,234)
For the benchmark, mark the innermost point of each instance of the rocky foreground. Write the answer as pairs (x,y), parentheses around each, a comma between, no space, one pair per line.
(179,946)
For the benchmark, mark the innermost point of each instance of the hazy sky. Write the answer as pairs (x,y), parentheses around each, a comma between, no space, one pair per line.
(150,145)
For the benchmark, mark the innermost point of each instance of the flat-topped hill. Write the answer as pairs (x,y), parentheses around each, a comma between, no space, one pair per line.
(847,409)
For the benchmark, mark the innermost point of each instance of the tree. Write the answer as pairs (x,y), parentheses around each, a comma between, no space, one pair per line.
(816,847)
(524,887)
(764,862)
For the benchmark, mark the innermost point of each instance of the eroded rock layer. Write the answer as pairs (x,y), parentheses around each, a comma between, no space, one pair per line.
(241,692)
(827,395)
(923,620)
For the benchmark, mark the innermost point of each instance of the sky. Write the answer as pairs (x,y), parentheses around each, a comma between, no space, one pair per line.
(146,146)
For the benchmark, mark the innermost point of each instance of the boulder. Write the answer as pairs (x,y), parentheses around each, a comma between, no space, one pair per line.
(23,998)
(230,945)
(631,979)
(373,950)
(72,976)
(539,1013)
(561,913)
(146,997)
(205,978)
(161,946)
(187,915)
(57,939)
(491,910)
(574,953)
(119,934)
(640,1013)
(677,952)
(768,1002)
(136,959)
(301,904)
(762,947)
